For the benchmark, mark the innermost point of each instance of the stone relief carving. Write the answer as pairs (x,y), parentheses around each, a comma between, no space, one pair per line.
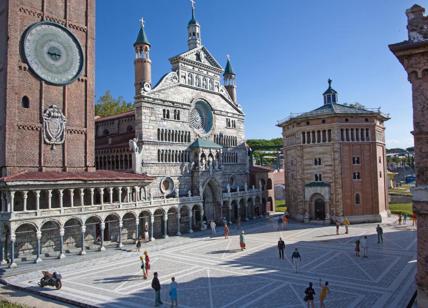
(54,126)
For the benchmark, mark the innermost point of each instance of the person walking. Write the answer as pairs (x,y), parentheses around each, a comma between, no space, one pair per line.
(242,240)
(399,218)
(143,267)
(364,246)
(279,228)
(414,219)
(281,247)
(337,226)
(379,232)
(324,292)
(157,287)
(309,296)
(357,248)
(213,225)
(147,262)
(173,292)
(296,259)
(138,244)
(346,223)
(226,231)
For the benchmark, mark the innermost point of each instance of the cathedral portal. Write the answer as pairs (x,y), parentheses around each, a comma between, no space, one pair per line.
(211,201)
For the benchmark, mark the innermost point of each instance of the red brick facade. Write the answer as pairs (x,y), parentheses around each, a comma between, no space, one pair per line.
(21,138)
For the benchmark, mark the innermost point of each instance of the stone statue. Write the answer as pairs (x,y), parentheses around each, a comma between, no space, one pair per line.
(228,188)
(189,193)
(245,186)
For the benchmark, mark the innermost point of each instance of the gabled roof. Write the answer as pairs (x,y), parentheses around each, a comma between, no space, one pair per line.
(190,57)
(202,143)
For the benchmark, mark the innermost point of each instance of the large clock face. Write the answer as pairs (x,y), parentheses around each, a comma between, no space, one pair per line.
(53,53)
(201,118)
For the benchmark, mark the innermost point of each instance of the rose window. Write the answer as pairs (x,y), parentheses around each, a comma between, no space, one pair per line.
(201,118)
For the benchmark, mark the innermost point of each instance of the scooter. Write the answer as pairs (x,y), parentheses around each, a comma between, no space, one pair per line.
(51,279)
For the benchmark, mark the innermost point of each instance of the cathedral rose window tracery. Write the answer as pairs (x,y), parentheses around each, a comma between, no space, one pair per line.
(201,118)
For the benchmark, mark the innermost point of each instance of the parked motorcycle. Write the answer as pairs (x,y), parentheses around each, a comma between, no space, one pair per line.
(51,279)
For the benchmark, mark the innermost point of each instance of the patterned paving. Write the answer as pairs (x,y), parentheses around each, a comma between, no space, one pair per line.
(213,272)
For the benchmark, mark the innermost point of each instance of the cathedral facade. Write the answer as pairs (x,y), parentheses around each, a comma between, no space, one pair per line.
(335,162)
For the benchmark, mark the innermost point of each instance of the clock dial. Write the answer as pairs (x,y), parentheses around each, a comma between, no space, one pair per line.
(53,53)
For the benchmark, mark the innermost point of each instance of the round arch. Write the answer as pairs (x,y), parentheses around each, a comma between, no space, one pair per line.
(26,240)
(129,229)
(72,234)
(317,207)
(50,241)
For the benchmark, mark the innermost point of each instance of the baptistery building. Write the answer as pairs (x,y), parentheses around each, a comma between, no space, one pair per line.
(335,163)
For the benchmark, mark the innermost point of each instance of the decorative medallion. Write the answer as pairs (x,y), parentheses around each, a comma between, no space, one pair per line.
(53,53)
(54,126)
(201,118)
(167,185)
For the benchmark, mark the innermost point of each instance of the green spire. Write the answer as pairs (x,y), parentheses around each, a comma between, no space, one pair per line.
(228,70)
(142,37)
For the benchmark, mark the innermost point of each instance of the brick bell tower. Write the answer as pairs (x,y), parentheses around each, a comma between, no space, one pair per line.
(413,55)
(46,85)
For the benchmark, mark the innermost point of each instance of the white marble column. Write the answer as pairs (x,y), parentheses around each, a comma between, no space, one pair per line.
(38,247)
(92,196)
(11,201)
(246,209)
(152,221)
(61,198)
(111,194)
(83,250)
(37,200)
(102,195)
(120,196)
(61,243)
(49,199)
(190,221)
(128,194)
(12,250)
(137,228)
(120,245)
(102,228)
(137,189)
(25,197)
(178,223)
(165,225)
(82,197)
(71,190)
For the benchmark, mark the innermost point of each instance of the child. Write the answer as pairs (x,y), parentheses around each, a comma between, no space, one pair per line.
(173,292)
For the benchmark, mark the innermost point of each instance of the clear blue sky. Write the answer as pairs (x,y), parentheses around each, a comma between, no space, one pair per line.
(283,52)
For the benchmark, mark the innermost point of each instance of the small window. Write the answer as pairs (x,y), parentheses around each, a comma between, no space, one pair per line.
(356,160)
(316,177)
(356,176)
(323,121)
(25,102)
(357,198)
(315,161)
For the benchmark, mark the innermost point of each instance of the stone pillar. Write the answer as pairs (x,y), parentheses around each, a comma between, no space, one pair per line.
(120,245)
(71,190)
(413,55)
(92,196)
(327,211)
(37,200)
(111,194)
(136,188)
(49,199)
(137,228)
(11,202)
(12,250)
(253,215)
(25,196)
(246,209)
(82,196)
(38,247)
(2,259)
(83,251)
(102,227)
(152,221)
(61,198)
(128,194)
(178,222)
(120,196)
(190,220)
(165,225)
(61,243)
(102,195)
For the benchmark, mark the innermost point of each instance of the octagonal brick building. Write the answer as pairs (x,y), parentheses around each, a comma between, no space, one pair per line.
(335,163)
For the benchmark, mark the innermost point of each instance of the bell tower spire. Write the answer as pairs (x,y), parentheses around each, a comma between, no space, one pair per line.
(142,62)
(193,30)
(229,77)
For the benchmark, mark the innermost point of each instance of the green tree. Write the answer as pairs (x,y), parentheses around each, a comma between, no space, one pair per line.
(107,105)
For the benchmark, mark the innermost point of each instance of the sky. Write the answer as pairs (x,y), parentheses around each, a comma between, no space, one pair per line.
(283,52)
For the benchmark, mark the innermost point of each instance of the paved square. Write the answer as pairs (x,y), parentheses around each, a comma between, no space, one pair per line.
(213,272)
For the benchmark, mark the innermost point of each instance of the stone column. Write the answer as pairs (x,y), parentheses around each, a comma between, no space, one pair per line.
(178,222)
(152,220)
(102,227)
(82,196)
(38,247)
(71,190)
(25,196)
(120,196)
(137,228)
(12,250)
(128,194)
(37,200)
(49,199)
(83,250)
(136,188)
(61,198)
(190,220)
(253,215)
(11,202)
(120,245)
(2,259)
(61,243)
(165,225)
(92,196)
(111,194)
(327,211)
(413,55)
(246,209)
(102,195)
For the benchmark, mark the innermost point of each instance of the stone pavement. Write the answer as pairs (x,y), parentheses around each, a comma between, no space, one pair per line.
(213,272)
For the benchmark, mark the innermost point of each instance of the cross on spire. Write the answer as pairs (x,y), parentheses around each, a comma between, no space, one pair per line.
(142,22)
(193,4)
(329,82)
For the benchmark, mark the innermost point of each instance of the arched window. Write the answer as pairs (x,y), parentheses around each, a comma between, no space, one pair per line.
(25,102)
(357,198)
